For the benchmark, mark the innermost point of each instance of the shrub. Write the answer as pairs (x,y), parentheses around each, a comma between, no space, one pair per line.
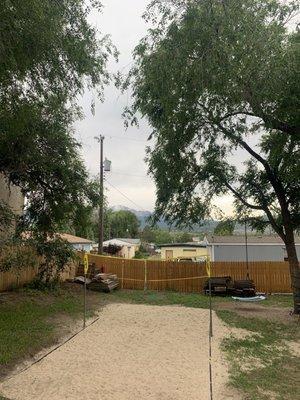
(16,255)
(55,254)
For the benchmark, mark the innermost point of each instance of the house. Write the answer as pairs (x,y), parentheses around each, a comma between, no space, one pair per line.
(77,242)
(128,247)
(135,242)
(183,250)
(259,248)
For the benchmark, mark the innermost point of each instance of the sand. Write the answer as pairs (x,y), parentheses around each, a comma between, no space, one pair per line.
(133,352)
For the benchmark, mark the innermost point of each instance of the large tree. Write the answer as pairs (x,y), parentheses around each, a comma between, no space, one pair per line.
(122,224)
(49,54)
(218,82)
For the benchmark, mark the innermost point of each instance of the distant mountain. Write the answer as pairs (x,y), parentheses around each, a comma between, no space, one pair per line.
(207,226)
(141,215)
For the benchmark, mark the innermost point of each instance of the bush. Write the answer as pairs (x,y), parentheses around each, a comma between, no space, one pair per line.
(55,254)
(16,255)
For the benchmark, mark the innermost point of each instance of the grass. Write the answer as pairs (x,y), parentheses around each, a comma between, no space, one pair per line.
(262,365)
(279,300)
(164,298)
(29,322)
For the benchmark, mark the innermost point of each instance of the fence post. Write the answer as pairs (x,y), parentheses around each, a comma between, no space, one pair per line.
(123,261)
(145,280)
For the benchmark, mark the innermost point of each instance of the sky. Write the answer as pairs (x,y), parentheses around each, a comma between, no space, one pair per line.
(128,183)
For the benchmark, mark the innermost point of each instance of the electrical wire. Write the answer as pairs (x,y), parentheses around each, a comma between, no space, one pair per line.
(126,197)
(125,138)
(137,176)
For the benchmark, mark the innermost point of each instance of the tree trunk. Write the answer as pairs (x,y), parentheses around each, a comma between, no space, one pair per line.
(294,268)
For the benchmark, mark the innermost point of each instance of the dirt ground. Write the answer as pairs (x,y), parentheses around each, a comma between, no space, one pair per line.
(132,352)
(254,310)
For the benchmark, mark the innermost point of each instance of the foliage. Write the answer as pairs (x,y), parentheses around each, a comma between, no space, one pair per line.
(199,109)
(6,216)
(161,236)
(231,91)
(182,237)
(55,254)
(142,253)
(225,227)
(83,221)
(123,224)
(49,54)
(112,249)
(16,255)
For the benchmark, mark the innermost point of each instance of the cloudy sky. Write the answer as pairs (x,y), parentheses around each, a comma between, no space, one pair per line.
(128,183)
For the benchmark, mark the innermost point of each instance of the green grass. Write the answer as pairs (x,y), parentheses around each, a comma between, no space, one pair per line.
(164,298)
(279,300)
(26,326)
(262,362)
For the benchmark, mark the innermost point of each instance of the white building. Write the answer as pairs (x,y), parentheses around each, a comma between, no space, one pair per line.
(128,246)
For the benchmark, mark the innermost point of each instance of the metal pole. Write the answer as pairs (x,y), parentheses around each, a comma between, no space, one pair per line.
(246,245)
(84,302)
(210,333)
(100,238)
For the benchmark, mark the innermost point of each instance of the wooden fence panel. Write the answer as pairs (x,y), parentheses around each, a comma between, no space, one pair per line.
(269,276)
(11,279)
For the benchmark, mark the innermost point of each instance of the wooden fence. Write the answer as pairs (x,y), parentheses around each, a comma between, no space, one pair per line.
(269,276)
(11,279)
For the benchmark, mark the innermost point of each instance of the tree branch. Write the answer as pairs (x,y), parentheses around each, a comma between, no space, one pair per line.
(242,200)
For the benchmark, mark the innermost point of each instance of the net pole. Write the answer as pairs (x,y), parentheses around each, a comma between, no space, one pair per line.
(210,333)
(84,302)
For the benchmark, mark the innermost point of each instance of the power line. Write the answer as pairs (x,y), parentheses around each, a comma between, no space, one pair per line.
(137,176)
(126,197)
(126,138)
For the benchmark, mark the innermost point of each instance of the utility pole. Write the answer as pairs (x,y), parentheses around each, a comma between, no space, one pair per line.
(101,206)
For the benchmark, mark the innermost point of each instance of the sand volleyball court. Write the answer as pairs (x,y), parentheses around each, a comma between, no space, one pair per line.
(133,352)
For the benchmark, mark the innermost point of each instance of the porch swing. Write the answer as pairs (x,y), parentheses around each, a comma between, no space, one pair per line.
(252,299)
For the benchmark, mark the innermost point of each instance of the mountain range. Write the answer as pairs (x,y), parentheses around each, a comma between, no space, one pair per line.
(144,215)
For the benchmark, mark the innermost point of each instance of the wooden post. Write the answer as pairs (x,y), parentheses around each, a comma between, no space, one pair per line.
(145,280)
(123,261)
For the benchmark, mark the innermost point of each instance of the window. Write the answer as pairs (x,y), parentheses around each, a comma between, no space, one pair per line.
(190,250)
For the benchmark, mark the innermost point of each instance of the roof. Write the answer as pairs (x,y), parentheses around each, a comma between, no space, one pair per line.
(129,240)
(74,239)
(120,242)
(189,244)
(240,239)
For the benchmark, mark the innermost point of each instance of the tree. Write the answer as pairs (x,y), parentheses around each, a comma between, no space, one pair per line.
(214,79)
(49,54)
(225,227)
(183,237)
(123,224)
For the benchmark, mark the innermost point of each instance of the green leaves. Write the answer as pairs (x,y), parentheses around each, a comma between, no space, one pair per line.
(49,54)
(214,79)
